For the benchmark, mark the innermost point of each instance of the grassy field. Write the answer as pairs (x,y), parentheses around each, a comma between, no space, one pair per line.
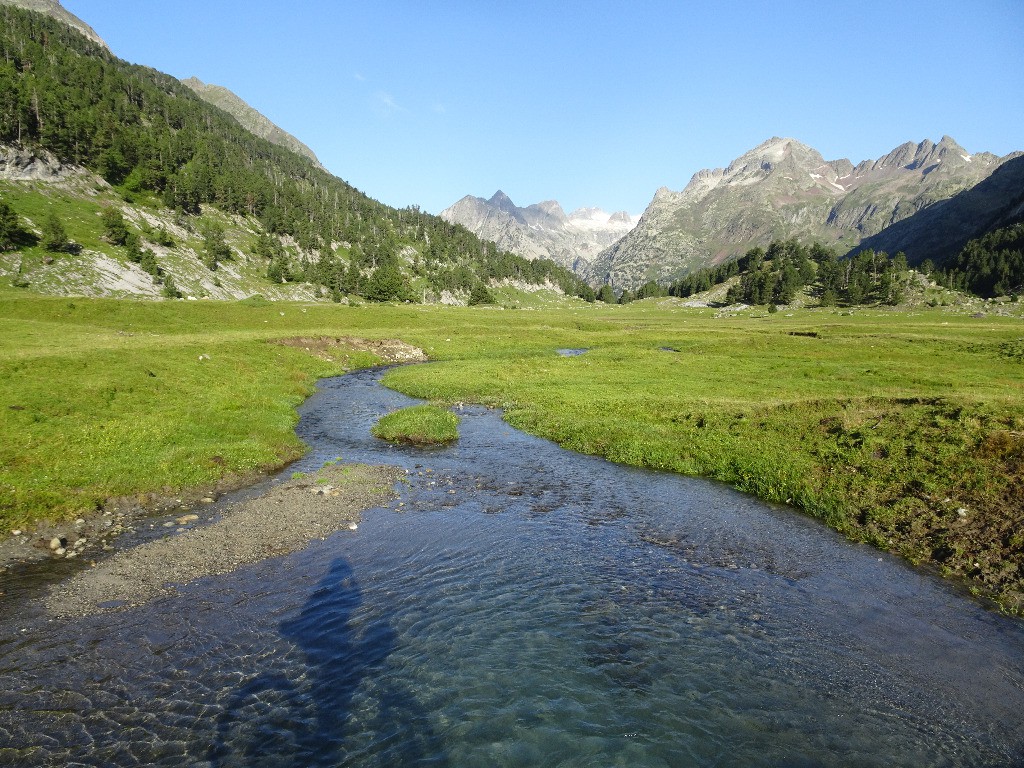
(900,429)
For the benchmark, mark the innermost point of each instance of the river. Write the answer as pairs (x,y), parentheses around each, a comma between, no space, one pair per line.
(522,605)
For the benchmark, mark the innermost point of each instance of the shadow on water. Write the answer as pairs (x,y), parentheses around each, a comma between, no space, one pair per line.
(274,720)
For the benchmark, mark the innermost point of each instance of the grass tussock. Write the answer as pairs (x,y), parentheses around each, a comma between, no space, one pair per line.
(421,425)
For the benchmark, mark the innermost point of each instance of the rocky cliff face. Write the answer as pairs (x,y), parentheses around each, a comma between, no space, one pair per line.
(20,164)
(542,230)
(249,118)
(55,10)
(780,189)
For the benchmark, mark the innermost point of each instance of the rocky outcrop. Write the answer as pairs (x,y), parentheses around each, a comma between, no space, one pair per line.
(781,189)
(542,230)
(55,10)
(20,164)
(249,118)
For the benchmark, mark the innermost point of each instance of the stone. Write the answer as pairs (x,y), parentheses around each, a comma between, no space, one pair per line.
(186,519)
(56,543)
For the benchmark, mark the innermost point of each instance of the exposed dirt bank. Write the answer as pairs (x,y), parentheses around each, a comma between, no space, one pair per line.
(390,351)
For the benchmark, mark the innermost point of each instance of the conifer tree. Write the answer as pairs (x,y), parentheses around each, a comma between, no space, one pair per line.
(10,227)
(55,237)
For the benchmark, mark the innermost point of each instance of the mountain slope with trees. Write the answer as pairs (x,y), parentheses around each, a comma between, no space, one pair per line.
(55,10)
(150,137)
(248,117)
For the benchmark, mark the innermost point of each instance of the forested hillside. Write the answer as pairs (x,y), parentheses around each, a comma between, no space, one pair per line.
(992,265)
(147,134)
(789,270)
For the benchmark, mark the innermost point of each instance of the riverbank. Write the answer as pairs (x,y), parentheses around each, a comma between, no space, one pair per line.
(282,520)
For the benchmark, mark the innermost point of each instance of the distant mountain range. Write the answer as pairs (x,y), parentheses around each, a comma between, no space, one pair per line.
(248,117)
(783,188)
(542,230)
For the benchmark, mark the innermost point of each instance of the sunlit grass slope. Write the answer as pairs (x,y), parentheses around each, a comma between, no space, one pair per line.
(904,430)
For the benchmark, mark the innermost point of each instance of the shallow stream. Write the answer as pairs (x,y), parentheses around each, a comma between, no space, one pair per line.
(522,605)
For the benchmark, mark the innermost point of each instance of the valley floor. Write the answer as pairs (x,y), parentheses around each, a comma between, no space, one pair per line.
(902,429)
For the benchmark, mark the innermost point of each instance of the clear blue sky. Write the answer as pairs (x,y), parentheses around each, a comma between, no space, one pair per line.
(590,103)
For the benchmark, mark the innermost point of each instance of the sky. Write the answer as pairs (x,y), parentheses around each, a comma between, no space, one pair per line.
(588,103)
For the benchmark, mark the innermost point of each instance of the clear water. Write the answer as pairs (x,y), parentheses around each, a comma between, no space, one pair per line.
(527,607)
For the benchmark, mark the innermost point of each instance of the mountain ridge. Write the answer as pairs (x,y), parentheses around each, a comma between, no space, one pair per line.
(783,188)
(55,10)
(249,117)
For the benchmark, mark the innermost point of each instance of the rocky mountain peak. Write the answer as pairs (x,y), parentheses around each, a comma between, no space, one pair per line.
(501,201)
(542,230)
(783,188)
(551,208)
(912,157)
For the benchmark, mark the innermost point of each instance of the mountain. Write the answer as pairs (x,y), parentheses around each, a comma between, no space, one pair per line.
(55,10)
(248,117)
(102,159)
(542,230)
(940,230)
(784,189)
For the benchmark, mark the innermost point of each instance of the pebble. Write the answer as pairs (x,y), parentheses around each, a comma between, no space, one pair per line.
(59,551)
(352,526)
(186,519)
(56,543)
(16,532)
(207,500)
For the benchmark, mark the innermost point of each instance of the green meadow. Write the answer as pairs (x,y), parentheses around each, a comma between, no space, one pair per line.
(901,429)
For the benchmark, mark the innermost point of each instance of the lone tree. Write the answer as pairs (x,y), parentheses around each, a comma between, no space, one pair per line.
(10,227)
(215,248)
(114,227)
(55,237)
(480,294)
(386,284)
